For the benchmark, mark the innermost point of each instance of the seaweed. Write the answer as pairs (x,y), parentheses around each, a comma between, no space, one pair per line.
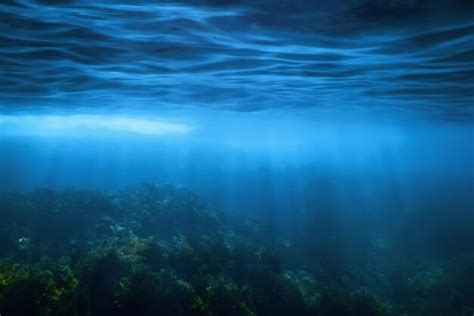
(155,250)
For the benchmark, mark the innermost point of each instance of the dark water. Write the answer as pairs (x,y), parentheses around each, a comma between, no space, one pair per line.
(237,157)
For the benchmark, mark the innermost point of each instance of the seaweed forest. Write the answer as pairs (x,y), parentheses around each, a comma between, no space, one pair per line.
(160,250)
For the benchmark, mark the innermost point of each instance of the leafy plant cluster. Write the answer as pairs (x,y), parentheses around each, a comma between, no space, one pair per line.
(159,250)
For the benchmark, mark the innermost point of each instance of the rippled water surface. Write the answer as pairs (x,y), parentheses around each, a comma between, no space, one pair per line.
(409,55)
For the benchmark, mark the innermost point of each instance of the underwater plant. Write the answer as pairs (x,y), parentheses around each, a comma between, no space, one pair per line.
(155,250)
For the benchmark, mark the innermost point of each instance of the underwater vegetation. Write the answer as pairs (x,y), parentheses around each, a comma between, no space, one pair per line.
(160,250)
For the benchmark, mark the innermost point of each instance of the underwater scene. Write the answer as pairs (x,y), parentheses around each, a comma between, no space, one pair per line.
(237,157)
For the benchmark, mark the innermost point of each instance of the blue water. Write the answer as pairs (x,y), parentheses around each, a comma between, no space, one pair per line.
(238,55)
(350,85)
(347,127)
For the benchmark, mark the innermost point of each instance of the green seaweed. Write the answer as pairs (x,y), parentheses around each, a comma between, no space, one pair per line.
(159,250)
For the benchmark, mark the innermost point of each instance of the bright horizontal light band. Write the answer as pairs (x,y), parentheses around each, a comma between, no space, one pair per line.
(86,124)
